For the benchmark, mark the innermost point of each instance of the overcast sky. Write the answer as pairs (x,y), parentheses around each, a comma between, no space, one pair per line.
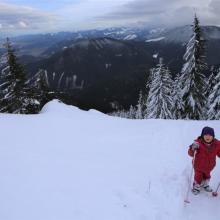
(33,16)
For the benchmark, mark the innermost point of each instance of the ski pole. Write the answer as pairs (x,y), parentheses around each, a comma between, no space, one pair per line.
(186,200)
(215,193)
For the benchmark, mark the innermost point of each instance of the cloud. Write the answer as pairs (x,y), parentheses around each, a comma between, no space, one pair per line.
(166,12)
(55,15)
(83,14)
(15,18)
(214,7)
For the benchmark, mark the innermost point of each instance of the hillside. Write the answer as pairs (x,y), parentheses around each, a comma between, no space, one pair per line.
(66,164)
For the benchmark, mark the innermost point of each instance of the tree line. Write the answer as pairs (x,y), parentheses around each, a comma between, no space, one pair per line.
(191,95)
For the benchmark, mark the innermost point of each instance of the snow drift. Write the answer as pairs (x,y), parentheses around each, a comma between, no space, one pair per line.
(66,163)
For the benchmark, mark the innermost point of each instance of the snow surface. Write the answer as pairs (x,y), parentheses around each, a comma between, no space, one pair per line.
(130,37)
(155,39)
(68,164)
(155,55)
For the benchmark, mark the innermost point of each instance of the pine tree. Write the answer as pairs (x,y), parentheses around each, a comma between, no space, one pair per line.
(159,102)
(177,98)
(13,82)
(211,80)
(16,93)
(193,79)
(43,93)
(140,107)
(38,93)
(131,112)
(149,80)
(214,100)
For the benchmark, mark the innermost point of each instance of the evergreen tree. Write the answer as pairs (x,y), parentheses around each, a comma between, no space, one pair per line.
(140,107)
(149,80)
(132,112)
(177,98)
(211,80)
(30,104)
(13,81)
(38,92)
(42,91)
(193,79)
(159,102)
(16,93)
(214,100)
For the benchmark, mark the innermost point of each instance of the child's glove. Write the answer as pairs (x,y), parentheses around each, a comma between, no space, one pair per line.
(194,146)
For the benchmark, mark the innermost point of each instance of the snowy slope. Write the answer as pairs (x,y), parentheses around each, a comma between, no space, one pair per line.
(155,39)
(70,164)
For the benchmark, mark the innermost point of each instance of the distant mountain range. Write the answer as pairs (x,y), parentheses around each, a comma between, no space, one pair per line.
(105,68)
(36,45)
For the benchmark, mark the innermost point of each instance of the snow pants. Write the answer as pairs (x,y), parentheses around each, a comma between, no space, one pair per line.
(201,176)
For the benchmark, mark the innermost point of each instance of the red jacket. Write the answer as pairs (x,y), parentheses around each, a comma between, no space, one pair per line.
(205,158)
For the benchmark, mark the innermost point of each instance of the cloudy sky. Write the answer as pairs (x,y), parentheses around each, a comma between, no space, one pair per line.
(33,16)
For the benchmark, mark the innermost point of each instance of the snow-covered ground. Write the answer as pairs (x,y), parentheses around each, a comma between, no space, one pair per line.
(69,164)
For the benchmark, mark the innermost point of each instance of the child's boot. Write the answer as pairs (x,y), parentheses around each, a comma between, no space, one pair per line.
(205,185)
(196,188)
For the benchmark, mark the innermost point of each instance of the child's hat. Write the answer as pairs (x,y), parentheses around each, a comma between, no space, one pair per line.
(208,130)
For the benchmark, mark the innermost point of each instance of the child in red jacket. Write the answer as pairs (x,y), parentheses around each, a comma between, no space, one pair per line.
(205,148)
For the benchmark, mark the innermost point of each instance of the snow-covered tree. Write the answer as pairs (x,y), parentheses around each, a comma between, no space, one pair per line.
(132,112)
(121,113)
(177,98)
(159,101)
(42,92)
(17,96)
(140,107)
(214,100)
(12,83)
(149,80)
(211,80)
(193,80)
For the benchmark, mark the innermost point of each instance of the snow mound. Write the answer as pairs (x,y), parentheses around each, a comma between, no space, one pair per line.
(56,106)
